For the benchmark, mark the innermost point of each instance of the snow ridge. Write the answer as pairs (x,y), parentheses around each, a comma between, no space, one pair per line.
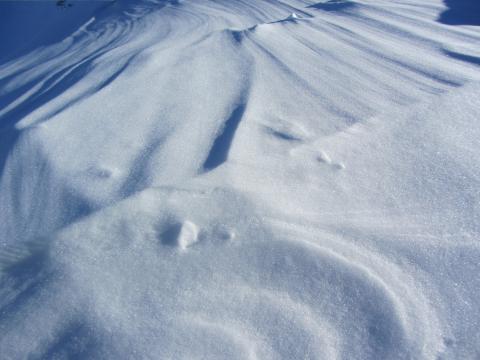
(241,179)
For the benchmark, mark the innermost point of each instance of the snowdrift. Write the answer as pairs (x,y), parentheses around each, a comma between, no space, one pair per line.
(239,179)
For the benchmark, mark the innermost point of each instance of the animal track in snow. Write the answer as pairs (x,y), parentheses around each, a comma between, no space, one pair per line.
(325,159)
(282,134)
(220,233)
(285,130)
(181,235)
(185,234)
(305,153)
(188,235)
(101,172)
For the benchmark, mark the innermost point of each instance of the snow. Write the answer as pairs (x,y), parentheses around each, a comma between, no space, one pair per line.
(254,179)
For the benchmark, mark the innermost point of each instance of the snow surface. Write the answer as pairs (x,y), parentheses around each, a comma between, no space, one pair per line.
(248,179)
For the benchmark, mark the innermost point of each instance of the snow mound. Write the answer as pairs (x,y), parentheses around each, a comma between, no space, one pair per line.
(239,179)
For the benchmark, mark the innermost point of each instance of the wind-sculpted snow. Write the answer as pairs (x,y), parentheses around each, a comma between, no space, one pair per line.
(233,289)
(240,179)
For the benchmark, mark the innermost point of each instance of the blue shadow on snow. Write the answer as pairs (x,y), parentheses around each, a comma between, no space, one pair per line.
(461,12)
(221,146)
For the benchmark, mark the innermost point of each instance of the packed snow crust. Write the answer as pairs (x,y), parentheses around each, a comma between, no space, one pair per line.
(248,179)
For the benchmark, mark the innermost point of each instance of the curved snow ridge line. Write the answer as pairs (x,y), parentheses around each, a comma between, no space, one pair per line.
(58,70)
(121,68)
(131,270)
(53,79)
(109,42)
(313,316)
(314,336)
(103,65)
(228,334)
(364,31)
(265,42)
(189,279)
(48,59)
(230,42)
(238,35)
(409,305)
(434,78)
(432,74)
(32,198)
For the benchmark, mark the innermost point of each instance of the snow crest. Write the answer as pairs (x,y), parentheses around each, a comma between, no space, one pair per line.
(240,180)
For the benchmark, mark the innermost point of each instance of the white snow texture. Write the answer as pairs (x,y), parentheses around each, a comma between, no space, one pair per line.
(240,179)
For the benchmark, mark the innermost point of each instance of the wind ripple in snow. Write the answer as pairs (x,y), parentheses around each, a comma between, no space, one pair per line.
(341,220)
(224,289)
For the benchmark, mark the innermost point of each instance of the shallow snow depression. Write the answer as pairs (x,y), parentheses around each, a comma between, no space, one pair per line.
(250,179)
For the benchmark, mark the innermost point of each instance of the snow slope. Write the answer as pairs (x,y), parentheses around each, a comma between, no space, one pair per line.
(251,179)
